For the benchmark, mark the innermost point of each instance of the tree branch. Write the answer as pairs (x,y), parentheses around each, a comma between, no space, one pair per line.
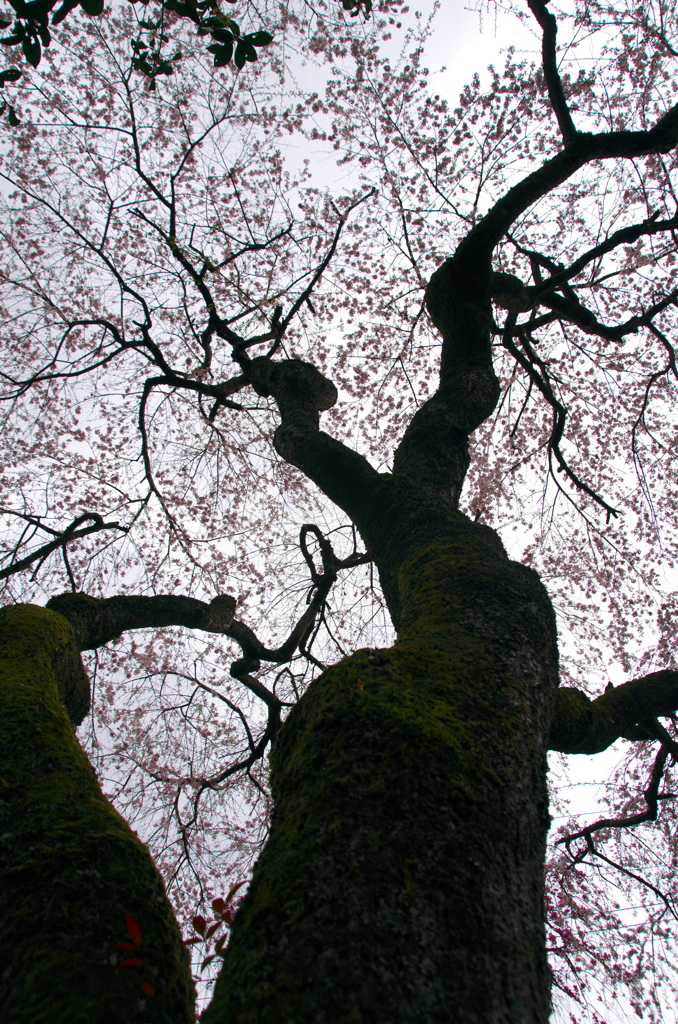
(582,149)
(96,621)
(302,393)
(652,798)
(61,540)
(585,726)
(549,28)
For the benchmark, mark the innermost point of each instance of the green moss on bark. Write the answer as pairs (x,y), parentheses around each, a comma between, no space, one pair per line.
(402,882)
(70,867)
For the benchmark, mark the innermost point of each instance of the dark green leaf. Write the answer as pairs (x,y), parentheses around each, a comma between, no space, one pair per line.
(244,51)
(32,51)
(92,7)
(44,35)
(222,53)
(9,75)
(11,40)
(259,38)
(12,117)
(175,5)
(222,35)
(65,9)
(4,24)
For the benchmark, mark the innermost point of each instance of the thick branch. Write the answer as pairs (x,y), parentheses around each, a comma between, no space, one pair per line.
(584,726)
(302,393)
(97,621)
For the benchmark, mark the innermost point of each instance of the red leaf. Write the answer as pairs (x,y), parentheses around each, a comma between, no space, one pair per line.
(132,961)
(133,930)
(148,989)
(125,945)
(211,930)
(206,961)
(218,905)
(233,890)
(200,924)
(190,942)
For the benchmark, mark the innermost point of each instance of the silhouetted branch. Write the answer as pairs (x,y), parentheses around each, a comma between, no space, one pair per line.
(652,799)
(537,371)
(61,540)
(549,28)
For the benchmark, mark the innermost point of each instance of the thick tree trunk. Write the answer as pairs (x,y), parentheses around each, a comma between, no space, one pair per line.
(71,869)
(402,880)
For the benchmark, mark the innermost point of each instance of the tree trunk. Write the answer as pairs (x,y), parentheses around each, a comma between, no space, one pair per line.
(403,877)
(71,869)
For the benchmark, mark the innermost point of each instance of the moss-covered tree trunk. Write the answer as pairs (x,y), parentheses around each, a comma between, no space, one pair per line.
(402,880)
(75,881)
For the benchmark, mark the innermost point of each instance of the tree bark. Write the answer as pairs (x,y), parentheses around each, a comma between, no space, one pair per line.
(70,868)
(402,880)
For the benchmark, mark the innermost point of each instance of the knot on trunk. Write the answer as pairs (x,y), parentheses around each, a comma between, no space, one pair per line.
(509,292)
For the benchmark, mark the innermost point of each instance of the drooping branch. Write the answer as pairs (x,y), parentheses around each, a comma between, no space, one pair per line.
(538,374)
(652,800)
(585,726)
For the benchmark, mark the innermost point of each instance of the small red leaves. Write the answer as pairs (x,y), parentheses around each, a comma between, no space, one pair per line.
(148,989)
(132,961)
(200,924)
(133,930)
